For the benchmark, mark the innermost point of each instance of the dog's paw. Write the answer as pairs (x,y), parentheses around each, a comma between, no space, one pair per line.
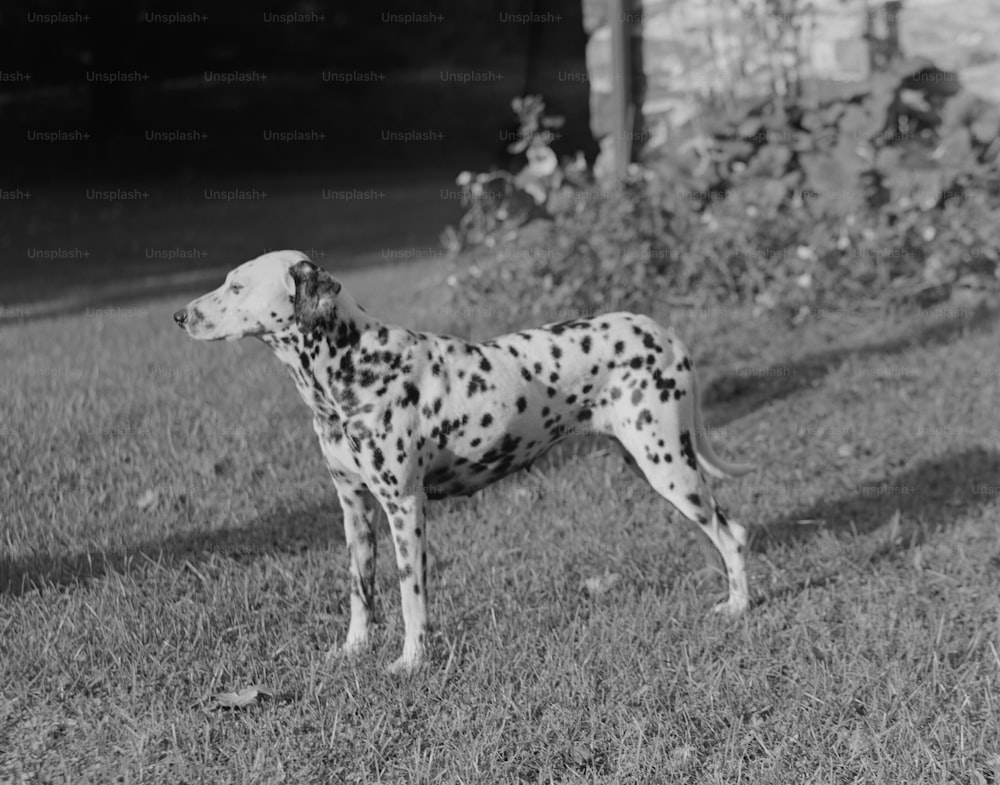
(734,606)
(351,649)
(408,663)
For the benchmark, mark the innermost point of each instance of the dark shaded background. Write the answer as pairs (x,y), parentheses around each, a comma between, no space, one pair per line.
(94,203)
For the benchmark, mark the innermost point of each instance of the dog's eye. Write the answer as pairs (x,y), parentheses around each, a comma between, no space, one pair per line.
(235,288)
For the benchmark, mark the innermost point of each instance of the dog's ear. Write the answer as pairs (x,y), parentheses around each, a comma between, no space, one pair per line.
(315,295)
(295,274)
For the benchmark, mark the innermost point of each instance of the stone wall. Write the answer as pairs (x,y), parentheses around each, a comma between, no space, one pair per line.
(684,50)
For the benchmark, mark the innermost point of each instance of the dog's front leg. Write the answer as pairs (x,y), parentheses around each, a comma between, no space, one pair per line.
(359,532)
(406,515)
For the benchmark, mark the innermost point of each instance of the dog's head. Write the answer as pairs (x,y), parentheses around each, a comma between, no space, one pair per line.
(264,296)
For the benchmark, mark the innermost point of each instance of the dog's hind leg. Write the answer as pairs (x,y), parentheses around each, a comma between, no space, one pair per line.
(665,455)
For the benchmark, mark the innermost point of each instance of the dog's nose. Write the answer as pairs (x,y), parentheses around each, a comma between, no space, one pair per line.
(181,317)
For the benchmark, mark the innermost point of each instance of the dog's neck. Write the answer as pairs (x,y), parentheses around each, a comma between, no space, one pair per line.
(325,381)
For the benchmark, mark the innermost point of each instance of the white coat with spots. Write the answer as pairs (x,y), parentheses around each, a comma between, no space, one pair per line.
(404,416)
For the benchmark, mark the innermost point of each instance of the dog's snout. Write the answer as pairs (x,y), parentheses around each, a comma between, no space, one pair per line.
(181,317)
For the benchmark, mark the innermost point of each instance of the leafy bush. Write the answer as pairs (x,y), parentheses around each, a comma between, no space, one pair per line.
(886,193)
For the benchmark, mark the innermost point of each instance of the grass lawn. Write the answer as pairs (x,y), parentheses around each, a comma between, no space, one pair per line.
(168,531)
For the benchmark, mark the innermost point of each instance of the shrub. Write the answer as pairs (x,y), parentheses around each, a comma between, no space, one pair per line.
(768,204)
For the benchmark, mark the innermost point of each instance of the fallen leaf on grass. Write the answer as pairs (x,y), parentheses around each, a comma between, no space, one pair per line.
(682,753)
(601,584)
(149,499)
(243,698)
(581,755)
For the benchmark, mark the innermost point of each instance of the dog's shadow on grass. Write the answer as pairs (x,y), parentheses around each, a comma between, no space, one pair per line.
(734,395)
(284,529)
(934,494)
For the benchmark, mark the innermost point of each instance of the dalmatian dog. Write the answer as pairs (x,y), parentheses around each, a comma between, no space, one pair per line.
(405,416)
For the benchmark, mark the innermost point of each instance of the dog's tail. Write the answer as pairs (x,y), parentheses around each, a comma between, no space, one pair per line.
(710,462)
